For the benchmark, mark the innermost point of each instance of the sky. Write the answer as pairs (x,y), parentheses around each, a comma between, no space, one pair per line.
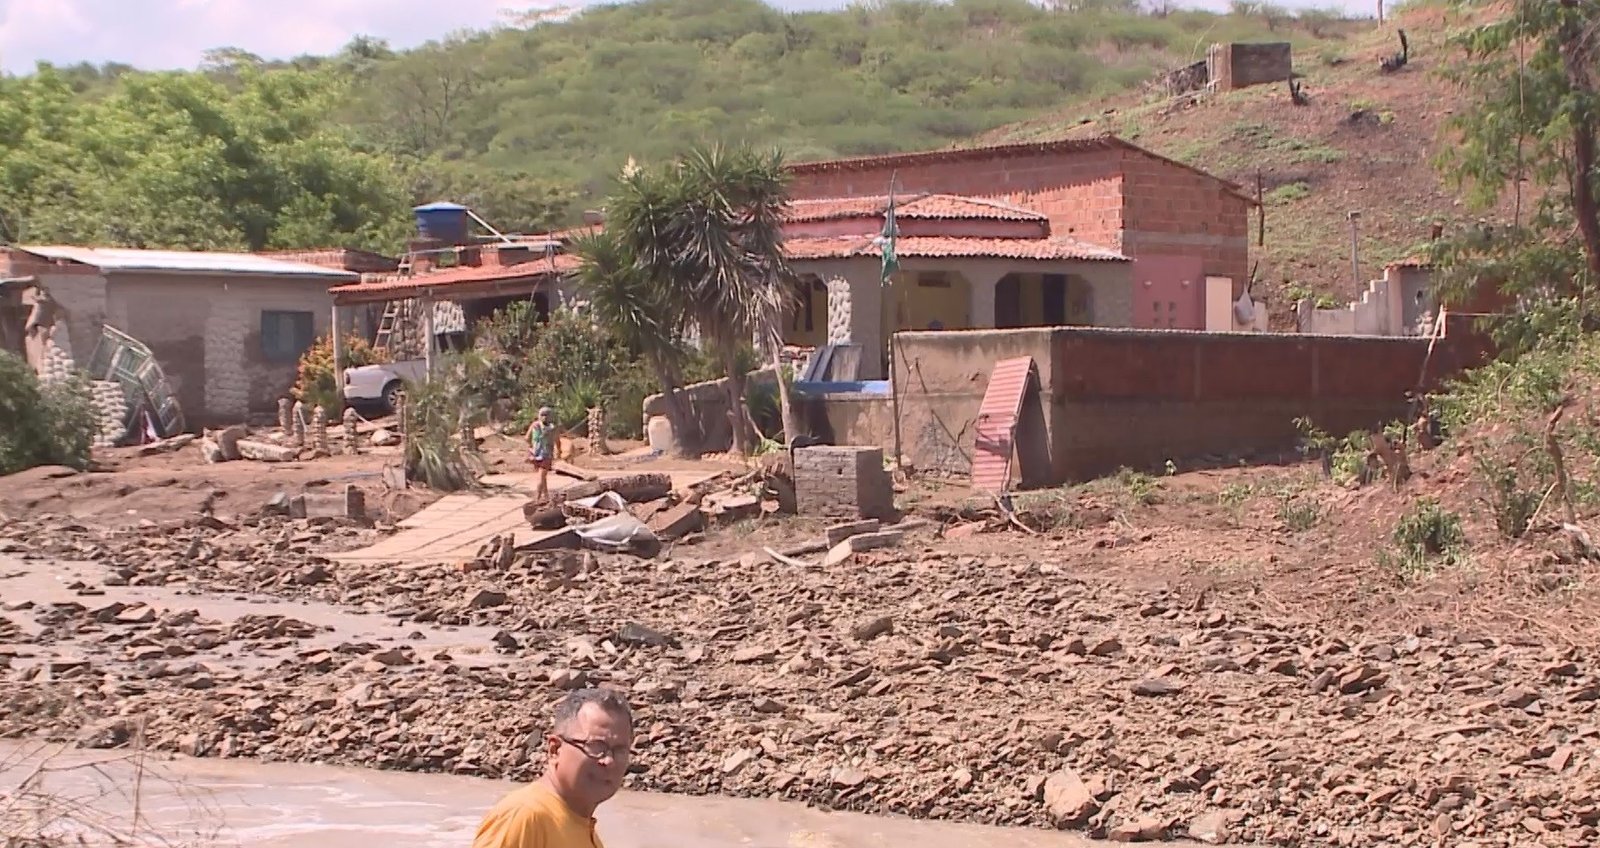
(162,34)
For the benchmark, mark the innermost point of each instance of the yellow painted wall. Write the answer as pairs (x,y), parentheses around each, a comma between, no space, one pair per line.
(924,297)
(794,324)
(1080,300)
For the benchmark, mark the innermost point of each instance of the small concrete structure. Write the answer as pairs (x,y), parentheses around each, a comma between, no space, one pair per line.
(1227,67)
(1233,66)
(843,482)
(1402,303)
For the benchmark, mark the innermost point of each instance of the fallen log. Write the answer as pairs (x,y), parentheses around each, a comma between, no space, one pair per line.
(543,516)
(633,488)
(267,452)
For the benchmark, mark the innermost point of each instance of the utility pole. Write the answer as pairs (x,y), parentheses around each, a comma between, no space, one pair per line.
(1355,249)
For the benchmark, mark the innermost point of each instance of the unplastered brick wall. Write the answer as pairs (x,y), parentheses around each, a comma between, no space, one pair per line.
(1078,190)
(1139,398)
(1172,210)
(1115,197)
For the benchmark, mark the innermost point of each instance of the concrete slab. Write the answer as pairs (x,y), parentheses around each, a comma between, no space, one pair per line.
(454,527)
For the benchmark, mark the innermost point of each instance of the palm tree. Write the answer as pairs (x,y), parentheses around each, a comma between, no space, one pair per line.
(709,230)
(639,311)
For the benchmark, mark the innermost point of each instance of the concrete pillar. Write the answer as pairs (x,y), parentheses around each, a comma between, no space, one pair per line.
(839,310)
(427,338)
(338,359)
(981,285)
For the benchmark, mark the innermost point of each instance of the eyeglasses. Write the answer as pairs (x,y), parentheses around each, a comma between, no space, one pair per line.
(596,750)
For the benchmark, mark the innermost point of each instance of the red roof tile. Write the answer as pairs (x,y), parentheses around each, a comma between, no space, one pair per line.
(844,247)
(464,277)
(942,206)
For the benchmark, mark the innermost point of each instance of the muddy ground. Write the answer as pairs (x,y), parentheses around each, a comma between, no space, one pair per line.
(1163,657)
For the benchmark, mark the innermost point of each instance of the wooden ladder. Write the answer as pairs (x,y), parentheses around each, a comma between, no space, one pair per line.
(392,311)
(387,324)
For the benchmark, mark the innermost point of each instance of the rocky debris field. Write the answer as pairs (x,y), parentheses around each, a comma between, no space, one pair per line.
(1006,689)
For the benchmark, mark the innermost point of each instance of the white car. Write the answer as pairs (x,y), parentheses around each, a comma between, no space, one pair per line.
(379,386)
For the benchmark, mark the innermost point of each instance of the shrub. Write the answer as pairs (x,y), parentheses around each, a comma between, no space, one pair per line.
(315,383)
(437,411)
(569,350)
(1299,513)
(44,425)
(1425,535)
(1511,502)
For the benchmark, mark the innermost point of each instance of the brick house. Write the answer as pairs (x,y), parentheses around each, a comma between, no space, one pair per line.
(1091,231)
(228,329)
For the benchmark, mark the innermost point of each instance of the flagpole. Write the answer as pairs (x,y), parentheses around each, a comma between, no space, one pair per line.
(891,232)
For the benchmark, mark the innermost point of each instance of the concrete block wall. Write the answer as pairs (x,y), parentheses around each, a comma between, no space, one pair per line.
(1234,66)
(227,382)
(843,482)
(1388,307)
(1137,397)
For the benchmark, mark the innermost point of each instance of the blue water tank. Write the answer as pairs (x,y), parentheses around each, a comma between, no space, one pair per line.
(446,222)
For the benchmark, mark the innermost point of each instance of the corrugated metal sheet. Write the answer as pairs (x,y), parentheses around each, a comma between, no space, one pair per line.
(997,423)
(182,261)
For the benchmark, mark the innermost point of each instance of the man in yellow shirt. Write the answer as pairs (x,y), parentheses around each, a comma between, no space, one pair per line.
(587,755)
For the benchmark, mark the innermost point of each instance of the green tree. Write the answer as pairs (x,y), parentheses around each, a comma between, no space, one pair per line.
(181,160)
(640,311)
(708,228)
(1533,117)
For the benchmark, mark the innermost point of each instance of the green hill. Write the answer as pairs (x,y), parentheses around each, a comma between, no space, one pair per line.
(527,123)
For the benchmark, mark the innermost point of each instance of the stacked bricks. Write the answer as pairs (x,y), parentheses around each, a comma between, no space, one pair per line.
(319,429)
(843,482)
(597,431)
(111,412)
(351,437)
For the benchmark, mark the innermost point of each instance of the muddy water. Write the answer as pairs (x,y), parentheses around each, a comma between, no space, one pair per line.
(275,805)
(45,582)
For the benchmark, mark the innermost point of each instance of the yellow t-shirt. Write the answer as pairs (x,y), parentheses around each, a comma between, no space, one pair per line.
(535,817)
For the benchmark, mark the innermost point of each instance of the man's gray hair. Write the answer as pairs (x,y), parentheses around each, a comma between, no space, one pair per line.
(610,700)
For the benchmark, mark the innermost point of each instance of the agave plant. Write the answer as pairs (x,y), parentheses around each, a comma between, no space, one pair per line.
(707,231)
(438,414)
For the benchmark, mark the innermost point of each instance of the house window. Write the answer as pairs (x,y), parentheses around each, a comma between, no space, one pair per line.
(285,335)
